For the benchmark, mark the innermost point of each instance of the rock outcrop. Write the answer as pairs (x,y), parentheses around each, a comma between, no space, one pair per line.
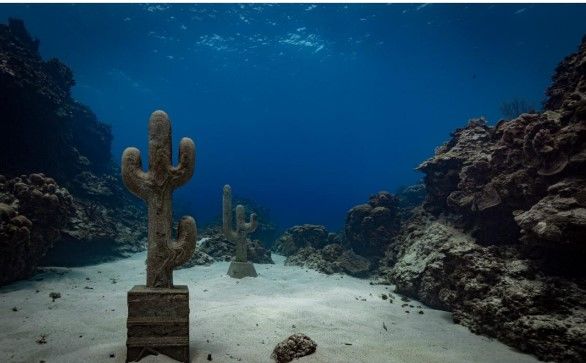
(298,237)
(33,211)
(312,246)
(500,238)
(214,245)
(370,227)
(198,258)
(44,130)
(42,127)
(410,197)
(494,290)
(489,175)
(331,259)
(105,223)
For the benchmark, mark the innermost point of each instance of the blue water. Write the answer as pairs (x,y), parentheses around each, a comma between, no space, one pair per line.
(306,109)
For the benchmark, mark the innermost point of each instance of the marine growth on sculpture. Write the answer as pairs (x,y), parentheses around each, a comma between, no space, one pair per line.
(236,233)
(156,186)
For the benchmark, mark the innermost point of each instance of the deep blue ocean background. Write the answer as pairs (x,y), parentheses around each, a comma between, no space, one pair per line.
(307,109)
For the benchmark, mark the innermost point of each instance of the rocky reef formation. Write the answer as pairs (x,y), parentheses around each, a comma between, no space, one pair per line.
(61,137)
(410,197)
(33,211)
(214,246)
(298,237)
(106,222)
(199,258)
(493,176)
(312,246)
(495,290)
(500,239)
(45,132)
(332,258)
(370,227)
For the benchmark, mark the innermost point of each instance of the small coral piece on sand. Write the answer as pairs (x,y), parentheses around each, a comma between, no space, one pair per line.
(42,339)
(296,346)
(55,295)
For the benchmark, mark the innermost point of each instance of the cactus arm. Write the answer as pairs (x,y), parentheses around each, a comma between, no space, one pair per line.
(135,179)
(251,226)
(184,170)
(241,225)
(184,246)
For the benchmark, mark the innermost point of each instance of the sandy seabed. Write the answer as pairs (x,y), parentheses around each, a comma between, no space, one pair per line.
(233,320)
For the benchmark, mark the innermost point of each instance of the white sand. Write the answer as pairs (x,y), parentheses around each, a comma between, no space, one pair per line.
(234,320)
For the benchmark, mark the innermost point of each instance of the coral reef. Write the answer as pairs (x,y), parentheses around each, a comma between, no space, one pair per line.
(411,197)
(214,247)
(199,258)
(105,223)
(33,211)
(488,175)
(370,227)
(312,246)
(45,130)
(61,137)
(155,187)
(297,237)
(499,240)
(493,290)
(332,258)
(296,346)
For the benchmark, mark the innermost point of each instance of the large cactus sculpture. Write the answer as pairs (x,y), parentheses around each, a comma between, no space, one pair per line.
(240,267)
(156,186)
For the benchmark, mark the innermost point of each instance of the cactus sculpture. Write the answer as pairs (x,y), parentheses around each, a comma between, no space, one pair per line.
(240,267)
(156,186)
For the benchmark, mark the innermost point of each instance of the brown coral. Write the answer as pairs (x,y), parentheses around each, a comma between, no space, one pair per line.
(501,240)
(33,209)
(370,227)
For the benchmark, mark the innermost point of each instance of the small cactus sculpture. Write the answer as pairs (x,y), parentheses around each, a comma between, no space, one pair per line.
(156,186)
(240,267)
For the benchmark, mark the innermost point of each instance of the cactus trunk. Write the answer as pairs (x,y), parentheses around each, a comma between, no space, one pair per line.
(159,232)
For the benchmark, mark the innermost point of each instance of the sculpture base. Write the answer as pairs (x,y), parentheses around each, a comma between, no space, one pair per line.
(239,270)
(158,323)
